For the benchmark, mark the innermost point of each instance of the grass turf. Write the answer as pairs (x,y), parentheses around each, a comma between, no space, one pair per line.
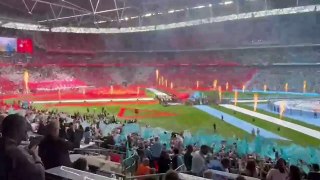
(187,118)
(296,137)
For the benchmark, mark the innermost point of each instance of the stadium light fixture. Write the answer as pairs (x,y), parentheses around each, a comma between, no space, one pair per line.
(171,11)
(226,3)
(210,5)
(198,7)
(126,18)
(147,15)
(178,10)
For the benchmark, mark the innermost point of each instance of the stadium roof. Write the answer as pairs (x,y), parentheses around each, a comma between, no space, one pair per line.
(128,13)
(89,13)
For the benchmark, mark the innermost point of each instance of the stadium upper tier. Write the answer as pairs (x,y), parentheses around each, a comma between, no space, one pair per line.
(48,78)
(298,29)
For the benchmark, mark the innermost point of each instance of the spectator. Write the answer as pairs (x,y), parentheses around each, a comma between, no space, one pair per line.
(54,150)
(279,172)
(188,157)
(87,135)
(71,132)
(164,162)
(78,135)
(250,170)
(225,164)
(80,164)
(171,175)
(176,159)
(2,116)
(222,165)
(240,178)
(315,173)
(143,168)
(208,174)
(198,161)
(265,171)
(156,149)
(18,163)
(41,128)
(294,173)
(62,131)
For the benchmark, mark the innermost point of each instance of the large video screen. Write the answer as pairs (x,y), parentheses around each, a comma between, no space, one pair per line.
(8,44)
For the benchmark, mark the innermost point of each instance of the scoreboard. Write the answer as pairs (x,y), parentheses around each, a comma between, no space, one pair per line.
(12,45)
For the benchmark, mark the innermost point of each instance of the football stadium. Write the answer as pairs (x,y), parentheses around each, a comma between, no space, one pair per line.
(160,90)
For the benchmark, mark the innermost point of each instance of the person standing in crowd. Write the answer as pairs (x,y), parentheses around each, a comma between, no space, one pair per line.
(54,151)
(41,128)
(279,172)
(156,150)
(187,158)
(17,163)
(314,174)
(222,165)
(294,173)
(71,132)
(176,159)
(144,168)
(198,161)
(78,135)
(164,162)
(250,170)
(62,131)
(87,135)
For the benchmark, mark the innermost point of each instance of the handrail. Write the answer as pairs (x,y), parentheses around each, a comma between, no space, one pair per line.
(145,176)
(100,150)
(226,174)
(182,165)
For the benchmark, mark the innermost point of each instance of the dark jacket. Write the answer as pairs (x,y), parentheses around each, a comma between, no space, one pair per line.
(62,132)
(70,135)
(187,158)
(78,135)
(17,164)
(42,129)
(164,165)
(54,152)
(314,176)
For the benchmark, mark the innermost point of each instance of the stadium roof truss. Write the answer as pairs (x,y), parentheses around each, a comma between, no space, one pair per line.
(93,16)
(65,10)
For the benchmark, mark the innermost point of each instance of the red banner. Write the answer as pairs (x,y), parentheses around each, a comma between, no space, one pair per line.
(24,46)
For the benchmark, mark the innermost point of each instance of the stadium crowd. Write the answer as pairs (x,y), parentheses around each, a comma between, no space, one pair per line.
(57,134)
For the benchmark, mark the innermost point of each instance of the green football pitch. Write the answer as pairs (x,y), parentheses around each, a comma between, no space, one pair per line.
(180,118)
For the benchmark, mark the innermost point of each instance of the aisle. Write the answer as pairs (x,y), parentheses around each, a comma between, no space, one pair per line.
(237,122)
(301,129)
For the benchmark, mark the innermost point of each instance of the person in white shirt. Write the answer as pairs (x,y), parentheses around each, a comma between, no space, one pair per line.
(198,161)
(279,172)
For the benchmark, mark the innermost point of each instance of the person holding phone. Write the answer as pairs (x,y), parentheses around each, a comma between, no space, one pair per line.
(18,163)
